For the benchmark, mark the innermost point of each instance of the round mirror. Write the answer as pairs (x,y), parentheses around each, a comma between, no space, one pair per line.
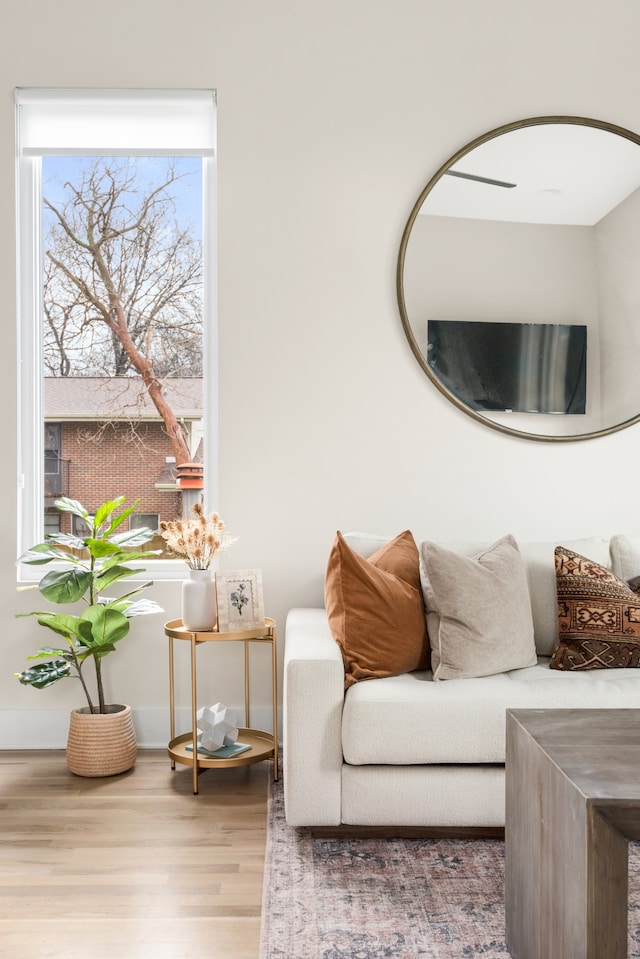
(519,278)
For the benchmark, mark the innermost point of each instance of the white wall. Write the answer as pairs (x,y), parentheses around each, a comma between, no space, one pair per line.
(332,117)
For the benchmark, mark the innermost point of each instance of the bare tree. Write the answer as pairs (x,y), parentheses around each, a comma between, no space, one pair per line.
(122,283)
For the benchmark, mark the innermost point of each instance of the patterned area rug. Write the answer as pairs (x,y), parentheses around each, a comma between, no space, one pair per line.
(390,898)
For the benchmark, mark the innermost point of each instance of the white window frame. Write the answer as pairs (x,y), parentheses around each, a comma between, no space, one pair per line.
(90,111)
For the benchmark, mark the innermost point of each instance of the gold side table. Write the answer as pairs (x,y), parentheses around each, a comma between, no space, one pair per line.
(264,745)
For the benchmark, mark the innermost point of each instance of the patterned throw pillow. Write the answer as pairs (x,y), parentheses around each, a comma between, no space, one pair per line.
(598,616)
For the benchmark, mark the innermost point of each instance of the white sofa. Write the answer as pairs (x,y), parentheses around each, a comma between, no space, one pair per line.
(410,751)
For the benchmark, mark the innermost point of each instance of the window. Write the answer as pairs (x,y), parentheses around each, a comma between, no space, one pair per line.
(52,462)
(51,523)
(140,520)
(78,526)
(117,294)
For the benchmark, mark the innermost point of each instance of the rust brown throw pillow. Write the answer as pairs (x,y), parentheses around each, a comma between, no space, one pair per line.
(375,609)
(598,616)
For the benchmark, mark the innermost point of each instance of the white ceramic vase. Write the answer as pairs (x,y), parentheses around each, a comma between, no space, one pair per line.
(199,607)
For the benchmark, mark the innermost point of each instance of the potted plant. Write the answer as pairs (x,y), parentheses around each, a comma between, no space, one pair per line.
(101,736)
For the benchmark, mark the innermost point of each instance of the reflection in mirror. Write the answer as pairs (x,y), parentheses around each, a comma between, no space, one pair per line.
(518,279)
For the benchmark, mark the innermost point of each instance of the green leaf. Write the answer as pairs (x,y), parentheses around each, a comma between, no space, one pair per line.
(41,554)
(45,674)
(69,540)
(129,557)
(133,537)
(111,574)
(66,505)
(139,607)
(99,652)
(104,512)
(65,586)
(61,623)
(100,547)
(117,520)
(85,634)
(107,626)
(47,652)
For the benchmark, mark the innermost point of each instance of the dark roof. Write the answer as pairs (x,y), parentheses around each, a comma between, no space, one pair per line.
(92,398)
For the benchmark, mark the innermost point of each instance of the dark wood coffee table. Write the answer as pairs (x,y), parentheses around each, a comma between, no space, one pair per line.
(573,803)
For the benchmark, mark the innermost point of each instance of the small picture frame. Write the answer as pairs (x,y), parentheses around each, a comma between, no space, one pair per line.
(240,601)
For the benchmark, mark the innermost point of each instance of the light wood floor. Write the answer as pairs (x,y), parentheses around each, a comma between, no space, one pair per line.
(132,866)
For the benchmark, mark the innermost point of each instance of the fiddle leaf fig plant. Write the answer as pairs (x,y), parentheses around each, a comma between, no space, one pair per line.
(87,565)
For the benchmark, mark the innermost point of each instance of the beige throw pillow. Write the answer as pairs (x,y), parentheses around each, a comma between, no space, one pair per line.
(478,610)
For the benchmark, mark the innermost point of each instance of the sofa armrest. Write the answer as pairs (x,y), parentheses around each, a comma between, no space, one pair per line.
(312,720)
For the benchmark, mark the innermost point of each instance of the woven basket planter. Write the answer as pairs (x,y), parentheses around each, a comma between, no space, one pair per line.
(101,744)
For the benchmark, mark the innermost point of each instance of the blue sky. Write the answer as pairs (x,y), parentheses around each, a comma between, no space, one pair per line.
(187,191)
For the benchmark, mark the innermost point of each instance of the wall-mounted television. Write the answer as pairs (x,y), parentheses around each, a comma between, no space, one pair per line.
(515,367)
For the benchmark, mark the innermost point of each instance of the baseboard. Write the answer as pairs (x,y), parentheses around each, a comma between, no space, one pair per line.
(48,728)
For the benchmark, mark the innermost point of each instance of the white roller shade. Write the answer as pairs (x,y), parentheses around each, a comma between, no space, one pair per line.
(116,122)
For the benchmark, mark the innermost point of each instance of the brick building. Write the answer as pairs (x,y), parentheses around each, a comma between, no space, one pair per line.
(104,438)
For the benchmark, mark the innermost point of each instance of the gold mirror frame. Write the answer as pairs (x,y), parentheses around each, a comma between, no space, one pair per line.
(479,141)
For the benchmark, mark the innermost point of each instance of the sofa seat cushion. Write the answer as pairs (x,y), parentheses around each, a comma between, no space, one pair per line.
(412,719)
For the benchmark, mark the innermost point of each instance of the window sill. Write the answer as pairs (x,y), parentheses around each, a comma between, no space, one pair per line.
(168,570)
